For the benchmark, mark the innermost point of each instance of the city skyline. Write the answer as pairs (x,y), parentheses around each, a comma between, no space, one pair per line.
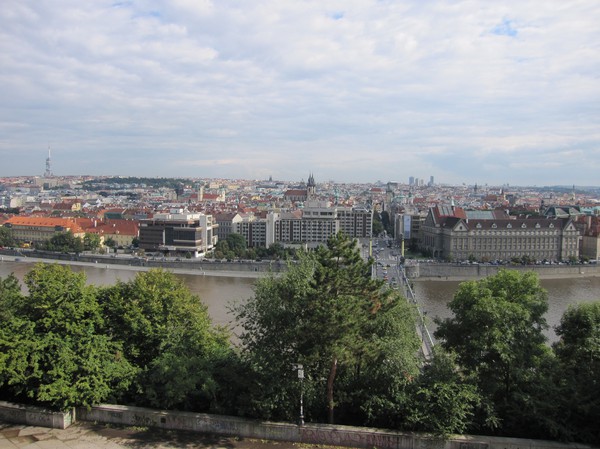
(468,92)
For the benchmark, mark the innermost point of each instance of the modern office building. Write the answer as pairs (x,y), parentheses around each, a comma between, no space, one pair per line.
(179,232)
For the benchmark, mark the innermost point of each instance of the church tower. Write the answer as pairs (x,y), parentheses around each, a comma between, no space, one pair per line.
(311,187)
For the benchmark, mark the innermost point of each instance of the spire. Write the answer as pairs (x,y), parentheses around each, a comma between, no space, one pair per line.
(311,186)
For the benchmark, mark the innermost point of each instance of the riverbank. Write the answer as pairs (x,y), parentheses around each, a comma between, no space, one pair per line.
(108,265)
(468,272)
(258,269)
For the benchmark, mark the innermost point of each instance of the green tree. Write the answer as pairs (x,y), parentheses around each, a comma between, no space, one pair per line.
(578,352)
(10,297)
(377,224)
(328,314)
(276,251)
(237,243)
(167,334)
(91,241)
(233,246)
(497,334)
(54,349)
(387,223)
(63,242)
(444,399)
(6,237)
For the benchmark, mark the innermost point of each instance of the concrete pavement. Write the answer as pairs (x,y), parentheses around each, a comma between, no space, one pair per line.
(83,435)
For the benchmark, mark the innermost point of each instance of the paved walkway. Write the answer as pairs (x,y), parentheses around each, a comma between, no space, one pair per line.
(83,435)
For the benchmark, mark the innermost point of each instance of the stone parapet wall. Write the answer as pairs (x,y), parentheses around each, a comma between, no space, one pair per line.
(317,434)
(35,416)
(447,271)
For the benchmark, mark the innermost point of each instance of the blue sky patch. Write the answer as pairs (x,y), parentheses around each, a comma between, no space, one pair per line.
(506,28)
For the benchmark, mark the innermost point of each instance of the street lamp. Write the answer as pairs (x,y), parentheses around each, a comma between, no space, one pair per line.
(300,368)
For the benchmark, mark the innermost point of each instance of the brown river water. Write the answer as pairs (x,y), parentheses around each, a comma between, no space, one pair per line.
(220,292)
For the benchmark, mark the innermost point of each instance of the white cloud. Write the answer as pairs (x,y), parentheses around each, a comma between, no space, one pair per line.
(354,90)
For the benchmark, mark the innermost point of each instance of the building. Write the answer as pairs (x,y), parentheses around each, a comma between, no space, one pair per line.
(318,221)
(122,232)
(356,222)
(31,230)
(590,247)
(452,233)
(225,223)
(254,230)
(179,232)
(407,227)
(299,195)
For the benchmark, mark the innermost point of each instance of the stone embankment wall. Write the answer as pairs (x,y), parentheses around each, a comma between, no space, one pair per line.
(316,434)
(446,271)
(199,265)
(35,416)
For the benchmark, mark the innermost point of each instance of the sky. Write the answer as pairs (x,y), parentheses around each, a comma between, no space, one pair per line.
(488,92)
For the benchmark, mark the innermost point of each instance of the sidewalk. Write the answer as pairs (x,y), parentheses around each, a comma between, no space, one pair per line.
(96,436)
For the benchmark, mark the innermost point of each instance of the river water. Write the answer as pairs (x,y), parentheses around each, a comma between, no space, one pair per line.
(220,292)
(433,296)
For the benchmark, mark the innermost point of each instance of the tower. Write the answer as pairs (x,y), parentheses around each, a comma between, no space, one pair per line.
(311,187)
(48,172)
(389,196)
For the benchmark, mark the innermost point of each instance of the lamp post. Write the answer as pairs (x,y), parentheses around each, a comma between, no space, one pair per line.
(300,368)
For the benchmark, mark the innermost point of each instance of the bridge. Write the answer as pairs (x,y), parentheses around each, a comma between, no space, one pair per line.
(424,334)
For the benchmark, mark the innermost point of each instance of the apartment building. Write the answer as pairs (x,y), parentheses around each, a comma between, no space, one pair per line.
(355,222)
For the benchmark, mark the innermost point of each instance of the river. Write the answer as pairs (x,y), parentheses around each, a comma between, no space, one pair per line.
(220,292)
(433,296)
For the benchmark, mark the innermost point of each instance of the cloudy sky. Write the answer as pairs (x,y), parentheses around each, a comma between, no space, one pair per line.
(350,90)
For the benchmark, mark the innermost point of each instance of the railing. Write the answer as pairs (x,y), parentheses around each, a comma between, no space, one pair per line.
(424,334)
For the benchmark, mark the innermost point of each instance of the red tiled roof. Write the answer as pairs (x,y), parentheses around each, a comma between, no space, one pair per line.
(46,222)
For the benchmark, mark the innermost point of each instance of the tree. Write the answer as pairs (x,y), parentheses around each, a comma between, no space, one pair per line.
(10,297)
(233,246)
(237,243)
(386,222)
(6,237)
(377,228)
(497,334)
(91,241)
(328,314)
(578,352)
(444,399)
(167,334)
(54,350)
(63,242)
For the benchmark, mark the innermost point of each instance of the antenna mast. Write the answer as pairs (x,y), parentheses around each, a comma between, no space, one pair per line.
(48,173)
